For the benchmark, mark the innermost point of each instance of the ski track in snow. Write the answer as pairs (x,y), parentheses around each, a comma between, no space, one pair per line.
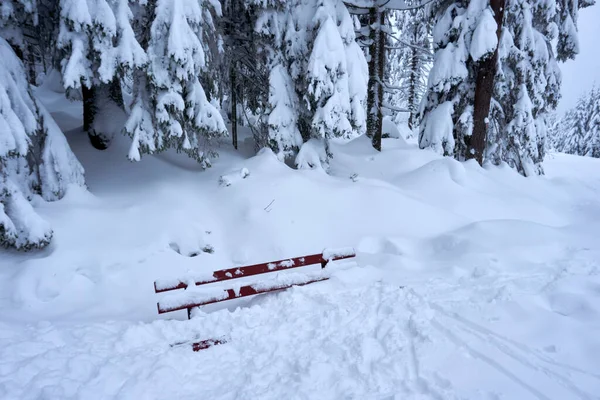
(327,341)
(516,351)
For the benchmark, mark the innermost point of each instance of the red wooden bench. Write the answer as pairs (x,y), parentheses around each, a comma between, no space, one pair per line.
(192,297)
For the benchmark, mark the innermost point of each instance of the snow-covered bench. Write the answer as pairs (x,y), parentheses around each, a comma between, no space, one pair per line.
(195,297)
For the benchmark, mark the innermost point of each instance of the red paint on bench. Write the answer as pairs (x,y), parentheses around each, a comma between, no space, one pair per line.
(256,269)
(231,294)
(249,290)
(205,344)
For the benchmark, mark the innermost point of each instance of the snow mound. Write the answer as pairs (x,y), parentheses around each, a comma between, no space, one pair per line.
(391,130)
(233,177)
(311,155)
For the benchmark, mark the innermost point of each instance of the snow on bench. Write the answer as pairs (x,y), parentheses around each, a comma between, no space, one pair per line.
(196,293)
(195,297)
(200,297)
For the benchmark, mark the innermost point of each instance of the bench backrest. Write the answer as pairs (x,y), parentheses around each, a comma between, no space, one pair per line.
(249,270)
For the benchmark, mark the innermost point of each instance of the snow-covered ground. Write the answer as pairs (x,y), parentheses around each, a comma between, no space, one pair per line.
(469,283)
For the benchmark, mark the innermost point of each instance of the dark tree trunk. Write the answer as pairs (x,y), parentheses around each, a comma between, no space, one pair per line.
(484,88)
(89,107)
(376,76)
(234,102)
(95,99)
(380,79)
(31,66)
(412,83)
(371,86)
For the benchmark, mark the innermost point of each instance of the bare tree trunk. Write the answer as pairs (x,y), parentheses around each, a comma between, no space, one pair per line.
(380,79)
(371,86)
(412,85)
(234,101)
(89,107)
(484,88)
(32,74)
(376,76)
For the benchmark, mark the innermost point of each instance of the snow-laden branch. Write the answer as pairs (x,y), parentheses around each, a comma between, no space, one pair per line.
(362,6)
(422,49)
(394,108)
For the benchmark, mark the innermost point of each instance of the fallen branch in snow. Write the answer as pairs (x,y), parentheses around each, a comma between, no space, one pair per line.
(269,205)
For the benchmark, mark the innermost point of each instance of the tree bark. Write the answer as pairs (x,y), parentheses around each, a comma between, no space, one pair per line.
(89,107)
(234,101)
(379,83)
(484,88)
(95,98)
(371,86)
(412,85)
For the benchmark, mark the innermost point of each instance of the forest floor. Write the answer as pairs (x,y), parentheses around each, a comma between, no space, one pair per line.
(470,283)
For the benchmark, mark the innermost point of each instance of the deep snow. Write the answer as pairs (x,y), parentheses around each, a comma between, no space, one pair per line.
(469,283)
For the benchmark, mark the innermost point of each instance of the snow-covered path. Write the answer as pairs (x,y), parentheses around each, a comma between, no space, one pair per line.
(352,337)
(469,283)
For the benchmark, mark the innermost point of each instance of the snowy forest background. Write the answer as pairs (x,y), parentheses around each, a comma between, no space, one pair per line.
(469,79)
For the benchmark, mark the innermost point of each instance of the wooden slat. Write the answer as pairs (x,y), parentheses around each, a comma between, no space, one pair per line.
(242,292)
(256,269)
(205,344)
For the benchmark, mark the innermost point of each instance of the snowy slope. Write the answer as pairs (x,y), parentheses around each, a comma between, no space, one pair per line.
(470,283)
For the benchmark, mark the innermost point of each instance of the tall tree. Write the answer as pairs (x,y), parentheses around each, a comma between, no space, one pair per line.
(578,131)
(171,108)
(409,58)
(592,138)
(99,45)
(35,158)
(526,85)
(484,42)
(317,73)
(464,36)
(527,88)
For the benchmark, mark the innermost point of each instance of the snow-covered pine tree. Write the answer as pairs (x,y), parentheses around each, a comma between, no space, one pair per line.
(592,138)
(579,129)
(100,46)
(171,107)
(413,55)
(464,33)
(20,27)
(527,86)
(394,97)
(575,142)
(562,127)
(311,47)
(567,46)
(328,83)
(284,136)
(35,159)
(553,125)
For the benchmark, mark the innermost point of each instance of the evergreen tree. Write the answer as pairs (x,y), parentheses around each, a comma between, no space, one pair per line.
(575,143)
(566,18)
(553,124)
(35,159)
(99,46)
(464,34)
(592,137)
(411,58)
(579,129)
(310,46)
(171,107)
(526,88)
